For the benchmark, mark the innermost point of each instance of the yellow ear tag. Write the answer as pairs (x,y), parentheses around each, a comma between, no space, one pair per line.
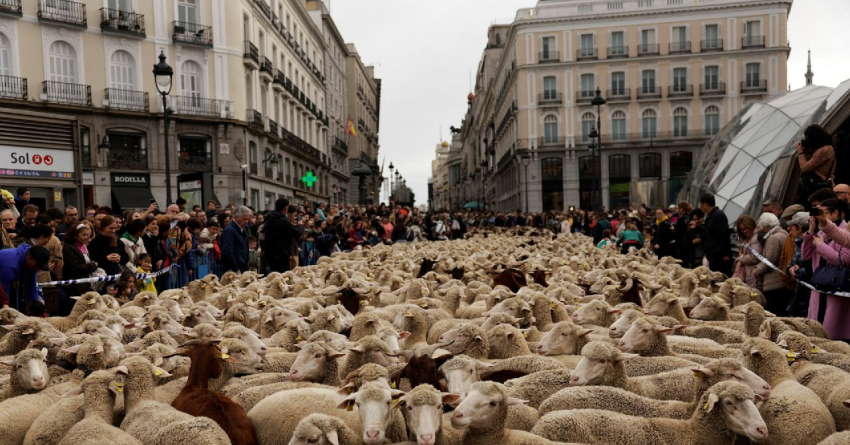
(424,305)
(393,385)
(250,302)
(791,357)
(298,338)
(158,372)
(578,306)
(815,350)
(552,305)
(286,279)
(525,335)
(363,302)
(90,301)
(349,407)
(119,387)
(396,404)
(176,298)
(752,294)
(705,407)
(224,356)
(263,303)
(703,277)
(699,375)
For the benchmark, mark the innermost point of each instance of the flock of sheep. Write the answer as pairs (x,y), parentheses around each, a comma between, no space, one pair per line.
(501,338)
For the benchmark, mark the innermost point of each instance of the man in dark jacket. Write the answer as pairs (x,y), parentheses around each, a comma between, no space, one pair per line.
(715,241)
(21,265)
(279,236)
(662,234)
(234,242)
(600,227)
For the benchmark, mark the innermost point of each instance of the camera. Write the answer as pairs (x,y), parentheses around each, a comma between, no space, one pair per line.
(814,212)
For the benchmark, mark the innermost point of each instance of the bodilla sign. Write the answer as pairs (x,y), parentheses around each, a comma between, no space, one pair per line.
(130,180)
(36,162)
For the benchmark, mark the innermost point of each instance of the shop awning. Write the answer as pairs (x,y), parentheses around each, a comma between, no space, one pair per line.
(132,197)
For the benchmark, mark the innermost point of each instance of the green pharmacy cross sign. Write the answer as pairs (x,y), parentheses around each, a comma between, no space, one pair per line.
(309,179)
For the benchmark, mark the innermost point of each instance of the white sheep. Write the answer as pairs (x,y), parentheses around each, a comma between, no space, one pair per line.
(96,428)
(29,373)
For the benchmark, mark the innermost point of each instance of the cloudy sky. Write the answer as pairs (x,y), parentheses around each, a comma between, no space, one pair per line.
(425,51)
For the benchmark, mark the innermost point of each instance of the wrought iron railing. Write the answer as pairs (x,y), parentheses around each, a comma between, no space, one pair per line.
(115,20)
(750,86)
(711,45)
(199,106)
(187,32)
(126,159)
(64,11)
(13,87)
(619,94)
(254,118)
(617,52)
(266,65)
(585,96)
(551,141)
(12,7)
(127,99)
(253,168)
(680,47)
(550,56)
(273,128)
(752,42)
(649,92)
(67,93)
(586,54)
(681,90)
(550,97)
(189,163)
(712,89)
(251,52)
(648,49)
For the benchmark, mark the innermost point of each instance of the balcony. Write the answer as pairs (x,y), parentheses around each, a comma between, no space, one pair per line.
(649,93)
(192,33)
(587,54)
(189,163)
(550,57)
(711,45)
(13,88)
(122,22)
(273,128)
(266,69)
(750,42)
(585,96)
(66,93)
(255,119)
(126,100)
(199,106)
(127,159)
(299,145)
(650,138)
(63,11)
(648,49)
(681,90)
(552,142)
(753,87)
(251,55)
(618,52)
(279,80)
(253,168)
(267,10)
(550,98)
(619,95)
(680,47)
(712,89)
(11,7)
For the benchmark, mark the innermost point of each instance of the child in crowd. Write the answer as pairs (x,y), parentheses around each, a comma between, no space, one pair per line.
(143,265)
(125,288)
(607,241)
(253,255)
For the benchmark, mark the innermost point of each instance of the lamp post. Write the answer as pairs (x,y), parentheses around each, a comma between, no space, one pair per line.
(526,159)
(599,101)
(391,180)
(163,75)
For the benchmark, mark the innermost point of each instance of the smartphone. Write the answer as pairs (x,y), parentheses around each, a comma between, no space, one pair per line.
(814,212)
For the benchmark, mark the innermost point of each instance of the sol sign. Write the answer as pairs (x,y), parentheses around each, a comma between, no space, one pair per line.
(27,159)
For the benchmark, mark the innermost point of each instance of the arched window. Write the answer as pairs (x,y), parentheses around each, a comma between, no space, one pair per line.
(123,71)
(588,171)
(712,120)
(267,165)
(588,121)
(618,125)
(249,91)
(288,172)
(681,163)
(649,165)
(5,56)
(649,123)
(252,157)
(63,62)
(552,174)
(191,79)
(680,122)
(550,129)
(619,168)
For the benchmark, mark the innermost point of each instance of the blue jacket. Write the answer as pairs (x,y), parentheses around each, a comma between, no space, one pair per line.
(13,267)
(234,248)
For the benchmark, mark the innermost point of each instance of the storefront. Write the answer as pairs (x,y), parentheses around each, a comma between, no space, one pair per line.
(131,191)
(196,189)
(38,151)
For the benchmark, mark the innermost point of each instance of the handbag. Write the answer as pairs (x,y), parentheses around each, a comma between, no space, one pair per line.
(828,278)
(812,181)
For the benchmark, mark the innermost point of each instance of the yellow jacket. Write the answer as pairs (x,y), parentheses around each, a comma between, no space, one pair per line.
(146,284)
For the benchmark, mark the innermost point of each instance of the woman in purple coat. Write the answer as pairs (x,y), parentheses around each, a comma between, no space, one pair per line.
(831,244)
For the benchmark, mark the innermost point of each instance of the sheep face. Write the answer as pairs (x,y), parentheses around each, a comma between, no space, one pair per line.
(423,409)
(597,359)
(336,341)
(458,339)
(461,372)
(561,339)
(311,362)
(29,368)
(276,317)
(660,304)
(708,308)
(249,337)
(738,404)
(317,429)
(248,361)
(481,406)
(374,402)
(375,350)
(391,338)
(619,327)
(514,307)
(199,315)
(731,370)
(593,313)
(641,335)
(173,308)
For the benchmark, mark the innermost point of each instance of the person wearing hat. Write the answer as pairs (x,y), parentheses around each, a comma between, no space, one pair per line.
(22,265)
(791,262)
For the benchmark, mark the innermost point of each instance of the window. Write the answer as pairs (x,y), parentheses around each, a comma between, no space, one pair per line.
(588,122)
(187,11)
(680,79)
(680,34)
(618,126)
(123,71)
(195,153)
(288,172)
(618,84)
(680,122)
(252,157)
(121,5)
(5,56)
(255,198)
(588,171)
(63,62)
(191,79)
(648,121)
(548,48)
(647,39)
(712,120)
(752,29)
(267,165)
(712,36)
(550,130)
(128,150)
(712,77)
(650,165)
(246,28)
(552,174)
(587,49)
(618,43)
(619,168)
(587,85)
(753,76)
(549,88)
(648,81)
(681,163)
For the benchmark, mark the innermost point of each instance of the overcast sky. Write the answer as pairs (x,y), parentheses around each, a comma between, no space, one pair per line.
(424,51)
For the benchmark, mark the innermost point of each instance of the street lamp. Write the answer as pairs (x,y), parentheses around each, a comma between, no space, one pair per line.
(526,159)
(391,179)
(163,75)
(599,101)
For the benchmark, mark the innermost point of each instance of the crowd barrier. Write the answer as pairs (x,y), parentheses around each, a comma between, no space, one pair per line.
(803,283)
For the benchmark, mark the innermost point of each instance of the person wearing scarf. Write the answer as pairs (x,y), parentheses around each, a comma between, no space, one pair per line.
(133,243)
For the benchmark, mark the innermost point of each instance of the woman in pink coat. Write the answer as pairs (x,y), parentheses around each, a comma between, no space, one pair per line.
(831,244)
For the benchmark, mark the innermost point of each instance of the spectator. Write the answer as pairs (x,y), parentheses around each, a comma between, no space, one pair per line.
(181,204)
(253,255)
(78,264)
(602,224)
(789,213)
(125,288)
(133,242)
(399,233)
(842,192)
(212,211)
(414,232)
(387,234)
(817,161)
(234,242)
(279,235)
(631,237)
(21,265)
(28,214)
(9,230)
(169,242)
(662,234)
(355,235)
(777,296)
(715,242)
(90,213)
(144,266)
(830,245)
(320,210)
(23,199)
(772,205)
(792,263)
(105,249)
(681,227)
(692,249)
(326,245)
(607,241)
(746,262)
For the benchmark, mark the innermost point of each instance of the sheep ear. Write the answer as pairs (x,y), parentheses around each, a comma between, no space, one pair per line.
(98,349)
(348,402)
(122,370)
(662,329)
(613,311)
(452,398)
(782,343)
(76,298)
(158,361)
(679,327)
(10,362)
(479,339)
(395,393)
(755,353)
(160,373)
(583,332)
(482,365)
(43,353)
(510,335)
(702,372)
(625,356)
(816,349)
(72,349)
(712,399)
(332,437)
(403,334)
(358,348)
(29,331)
(514,401)
(758,399)
(846,403)
(335,354)
(73,392)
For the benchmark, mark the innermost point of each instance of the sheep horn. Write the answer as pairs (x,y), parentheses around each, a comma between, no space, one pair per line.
(406,354)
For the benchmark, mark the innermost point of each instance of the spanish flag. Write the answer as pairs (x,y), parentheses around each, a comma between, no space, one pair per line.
(349,128)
